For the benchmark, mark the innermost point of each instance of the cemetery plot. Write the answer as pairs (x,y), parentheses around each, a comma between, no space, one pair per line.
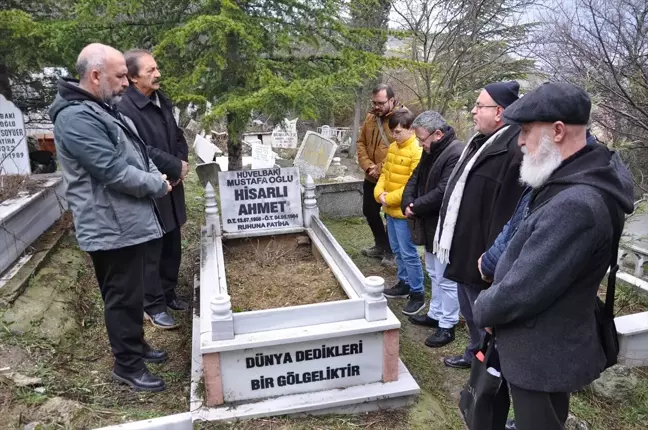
(273,272)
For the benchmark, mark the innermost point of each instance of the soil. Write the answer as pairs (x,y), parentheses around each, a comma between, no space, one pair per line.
(268,273)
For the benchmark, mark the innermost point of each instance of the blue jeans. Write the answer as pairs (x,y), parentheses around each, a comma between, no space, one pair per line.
(408,262)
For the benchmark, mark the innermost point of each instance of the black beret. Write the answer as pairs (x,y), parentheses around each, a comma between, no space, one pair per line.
(503,93)
(551,102)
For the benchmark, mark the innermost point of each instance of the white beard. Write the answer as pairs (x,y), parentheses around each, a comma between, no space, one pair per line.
(536,169)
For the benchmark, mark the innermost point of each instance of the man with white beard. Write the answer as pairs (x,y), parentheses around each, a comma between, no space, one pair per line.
(541,305)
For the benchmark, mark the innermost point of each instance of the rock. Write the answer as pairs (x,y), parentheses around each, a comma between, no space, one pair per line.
(40,390)
(59,410)
(616,383)
(574,423)
(36,425)
(21,380)
(303,240)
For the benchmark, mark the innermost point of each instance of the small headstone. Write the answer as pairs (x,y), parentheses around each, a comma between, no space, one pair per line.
(205,149)
(14,155)
(336,169)
(262,156)
(208,173)
(258,200)
(326,131)
(315,155)
(285,135)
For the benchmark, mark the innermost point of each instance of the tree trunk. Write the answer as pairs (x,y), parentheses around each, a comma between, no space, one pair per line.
(357,117)
(5,85)
(234,144)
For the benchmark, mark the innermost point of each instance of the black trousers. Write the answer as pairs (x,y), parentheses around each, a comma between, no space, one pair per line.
(162,268)
(371,211)
(467,294)
(534,410)
(120,274)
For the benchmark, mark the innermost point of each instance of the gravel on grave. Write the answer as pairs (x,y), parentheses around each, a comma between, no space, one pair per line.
(274,272)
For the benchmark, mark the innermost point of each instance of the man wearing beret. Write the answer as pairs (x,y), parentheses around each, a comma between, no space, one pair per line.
(541,305)
(480,198)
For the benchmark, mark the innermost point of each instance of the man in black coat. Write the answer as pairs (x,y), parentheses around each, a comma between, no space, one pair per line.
(152,112)
(421,202)
(480,198)
(542,304)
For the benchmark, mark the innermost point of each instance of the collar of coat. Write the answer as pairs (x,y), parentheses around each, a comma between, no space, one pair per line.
(140,100)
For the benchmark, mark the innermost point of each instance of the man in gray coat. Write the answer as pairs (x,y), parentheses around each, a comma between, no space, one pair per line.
(541,306)
(111,187)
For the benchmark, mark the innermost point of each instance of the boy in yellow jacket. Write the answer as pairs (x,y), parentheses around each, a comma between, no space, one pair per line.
(402,158)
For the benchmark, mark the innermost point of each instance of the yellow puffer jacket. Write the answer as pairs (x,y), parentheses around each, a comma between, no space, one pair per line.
(400,163)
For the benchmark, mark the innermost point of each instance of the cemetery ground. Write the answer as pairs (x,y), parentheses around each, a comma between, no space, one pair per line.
(55,333)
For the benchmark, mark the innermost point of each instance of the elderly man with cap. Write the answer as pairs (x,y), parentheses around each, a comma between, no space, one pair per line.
(480,198)
(541,305)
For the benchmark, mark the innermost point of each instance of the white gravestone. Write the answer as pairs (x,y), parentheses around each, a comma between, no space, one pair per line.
(205,149)
(285,135)
(14,155)
(315,155)
(266,199)
(262,156)
(302,367)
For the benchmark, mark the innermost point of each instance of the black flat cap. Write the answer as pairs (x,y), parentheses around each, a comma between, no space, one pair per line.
(503,93)
(551,102)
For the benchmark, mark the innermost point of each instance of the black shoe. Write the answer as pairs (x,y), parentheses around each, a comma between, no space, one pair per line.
(424,320)
(415,304)
(140,381)
(456,361)
(155,356)
(388,261)
(510,425)
(373,252)
(398,291)
(178,305)
(442,337)
(162,320)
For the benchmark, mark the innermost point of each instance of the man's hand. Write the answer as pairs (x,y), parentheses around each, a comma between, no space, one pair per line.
(383,196)
(169,187)
(374,172)
(185,169)
(408,211)
(485,278)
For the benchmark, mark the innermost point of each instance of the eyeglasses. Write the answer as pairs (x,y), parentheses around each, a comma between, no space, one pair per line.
(478,106)
(379,103)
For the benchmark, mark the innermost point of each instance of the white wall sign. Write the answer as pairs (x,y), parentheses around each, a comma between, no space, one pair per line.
(302,367)
(285,135)
(263,199)
(315,155)
(14,155)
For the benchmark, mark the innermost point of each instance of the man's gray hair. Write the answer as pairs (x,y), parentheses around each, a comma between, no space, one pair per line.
(431,121)
(88,62)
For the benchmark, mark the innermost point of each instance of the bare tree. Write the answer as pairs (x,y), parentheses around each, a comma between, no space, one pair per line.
(603,47)
(459,46)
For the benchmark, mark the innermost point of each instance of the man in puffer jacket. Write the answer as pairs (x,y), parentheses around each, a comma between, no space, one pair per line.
(488,261)
(402,158)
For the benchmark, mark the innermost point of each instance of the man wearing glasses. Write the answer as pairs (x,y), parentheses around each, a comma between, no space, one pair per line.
(480,198)
(373,143)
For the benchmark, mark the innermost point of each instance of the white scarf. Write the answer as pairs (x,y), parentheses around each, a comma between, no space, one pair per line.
(442,247)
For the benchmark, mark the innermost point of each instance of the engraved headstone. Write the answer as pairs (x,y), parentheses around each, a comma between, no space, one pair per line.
(315,155)
(14,155)
(262,156)
(285,135)
(266,199)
